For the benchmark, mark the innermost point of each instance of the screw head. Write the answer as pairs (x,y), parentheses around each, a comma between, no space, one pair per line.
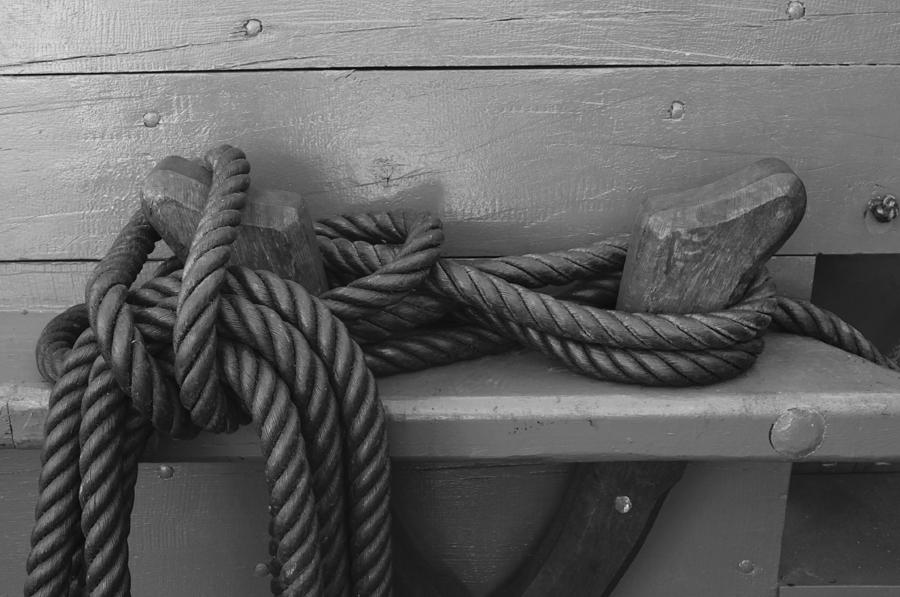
(746,566)
(795,10)
(253,27)
(623,504)
(884,208)
(166,471)
(151,119)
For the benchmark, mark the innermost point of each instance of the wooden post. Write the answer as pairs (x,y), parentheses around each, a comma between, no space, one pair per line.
(276,232)
(691,251)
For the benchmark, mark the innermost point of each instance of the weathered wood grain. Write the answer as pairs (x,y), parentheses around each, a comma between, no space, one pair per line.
(513,160)
(524,406)
(106,35)
(717,516)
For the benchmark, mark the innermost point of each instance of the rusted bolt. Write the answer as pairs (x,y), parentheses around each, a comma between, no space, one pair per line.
(795,10)
(252,28)
(797,433)
(676,110)
(151,119)
(884,208)
(166,471)
(746,566)
(623,504)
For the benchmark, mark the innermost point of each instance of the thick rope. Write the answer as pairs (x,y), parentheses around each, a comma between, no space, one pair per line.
(210,345)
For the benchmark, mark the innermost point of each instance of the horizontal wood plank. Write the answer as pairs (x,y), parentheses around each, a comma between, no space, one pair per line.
(512,160)
(54,286)
(840,591)
(158,35)
(521,405)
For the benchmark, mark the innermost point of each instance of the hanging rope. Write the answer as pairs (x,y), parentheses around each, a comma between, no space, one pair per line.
(206,345)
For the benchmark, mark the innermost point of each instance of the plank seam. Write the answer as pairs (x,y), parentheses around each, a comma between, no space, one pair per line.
(426,68)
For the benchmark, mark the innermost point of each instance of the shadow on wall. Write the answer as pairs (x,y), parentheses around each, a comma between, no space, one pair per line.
(864,290)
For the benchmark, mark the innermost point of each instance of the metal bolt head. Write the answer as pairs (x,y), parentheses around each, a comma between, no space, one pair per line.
(253,27)
(676,110)
(151,119)
(795,10)
(623,504)
(166,471)
(884,208)
(746,566)
(798,432)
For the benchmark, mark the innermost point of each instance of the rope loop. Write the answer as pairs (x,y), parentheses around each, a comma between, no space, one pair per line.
(195,338)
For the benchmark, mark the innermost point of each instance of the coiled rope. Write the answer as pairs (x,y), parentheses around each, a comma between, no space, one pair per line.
(207,345)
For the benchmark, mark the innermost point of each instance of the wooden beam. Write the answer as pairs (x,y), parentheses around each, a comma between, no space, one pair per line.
(840,591)
(108,36)
(522,405)
(56,285)
(511,160)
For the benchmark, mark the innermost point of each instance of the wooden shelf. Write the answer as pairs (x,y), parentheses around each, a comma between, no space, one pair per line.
(521,405)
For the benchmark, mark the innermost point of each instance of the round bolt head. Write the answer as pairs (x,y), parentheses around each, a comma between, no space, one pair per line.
(797,433)
(261,570)
(795,10)
(746,566)
(166,471)
(623,504)
(151,119)
(253,27)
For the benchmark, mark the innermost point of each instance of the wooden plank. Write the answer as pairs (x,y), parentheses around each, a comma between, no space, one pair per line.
(512,160)
(839,591)
(471,524)
(56,285)
(200,532)
(522,405)
(156,35)
(842,529)
(715,518)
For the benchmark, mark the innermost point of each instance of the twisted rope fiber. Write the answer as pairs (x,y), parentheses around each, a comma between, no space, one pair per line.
(209,345)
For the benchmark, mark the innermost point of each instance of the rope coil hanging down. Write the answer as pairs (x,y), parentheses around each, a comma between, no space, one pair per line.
(207,345)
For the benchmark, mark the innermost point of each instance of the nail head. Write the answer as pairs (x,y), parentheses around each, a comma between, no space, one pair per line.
(623,504)
(151,119)
(253,27)
(261,570)
(795,10)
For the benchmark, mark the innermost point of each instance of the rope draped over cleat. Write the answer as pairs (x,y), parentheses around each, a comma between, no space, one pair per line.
(210,345)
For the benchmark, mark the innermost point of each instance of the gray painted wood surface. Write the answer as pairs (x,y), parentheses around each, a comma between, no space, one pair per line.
(512,160)
(521,405)
(717,516)
(843,529)
(840,591)
(106,35)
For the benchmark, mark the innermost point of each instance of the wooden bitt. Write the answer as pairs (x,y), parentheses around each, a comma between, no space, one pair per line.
(691,251)
(276,232)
